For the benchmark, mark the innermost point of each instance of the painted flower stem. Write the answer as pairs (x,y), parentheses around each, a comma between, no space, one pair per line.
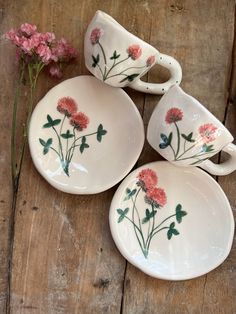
(59,143)
(163,228)
(196,155)
(122,72)
(104,57)
(163,222)
(187,150)
(134,209)
(172,149)
(142,245)
(113,66)
(178,139)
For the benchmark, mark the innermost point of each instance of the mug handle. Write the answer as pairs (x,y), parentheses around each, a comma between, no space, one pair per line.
(225,167)
(154,88)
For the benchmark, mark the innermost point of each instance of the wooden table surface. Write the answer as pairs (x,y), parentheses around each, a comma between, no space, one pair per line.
(56,250)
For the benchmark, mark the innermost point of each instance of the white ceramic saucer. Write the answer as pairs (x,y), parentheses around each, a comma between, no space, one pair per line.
(85,136)
(173,223)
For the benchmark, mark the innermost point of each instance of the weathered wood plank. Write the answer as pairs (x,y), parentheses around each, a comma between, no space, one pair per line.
(64,260)
(200,35)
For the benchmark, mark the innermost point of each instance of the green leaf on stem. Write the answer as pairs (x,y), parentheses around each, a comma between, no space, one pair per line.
(114,56)
(165,141)
(122,213)
(149,215)
(95,60)
(46,145)
(100,132)
(83,144)
(129,78)
(51,122)
(179,213)
(172,231)
(67,135)
(188,138)
(129,193)
(207,148)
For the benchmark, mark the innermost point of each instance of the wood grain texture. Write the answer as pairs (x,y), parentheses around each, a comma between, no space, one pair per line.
(204,49)
(63,259)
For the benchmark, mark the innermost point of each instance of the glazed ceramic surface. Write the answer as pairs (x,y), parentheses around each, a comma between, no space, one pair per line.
(85,136)
(173,223)
(119,58)
(184,132)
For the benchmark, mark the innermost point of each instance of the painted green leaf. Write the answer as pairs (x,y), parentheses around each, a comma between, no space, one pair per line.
(149,215)
(67,135)
(95,60)
(129,193)
(175,231)
(178,207)
(83,146)
(172,225)
(114,56)
(49,118)
(207,148)
(165,141)
(120,211)
(170,138)
(121,218)
(56,122)
(42,142)
(130,78)
(100,132)
(153,213)
(51,122)
(46,145)
(83,140)
(164,138)
(169,234)
(179,215)
(126,210)
(163,145)
(188,138)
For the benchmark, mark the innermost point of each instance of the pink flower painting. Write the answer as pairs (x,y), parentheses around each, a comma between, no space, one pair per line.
(145,221)
(190,148)
(208,132)
(174,115)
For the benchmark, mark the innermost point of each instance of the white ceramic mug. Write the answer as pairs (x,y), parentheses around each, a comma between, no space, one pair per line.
(119,58)
(184,132)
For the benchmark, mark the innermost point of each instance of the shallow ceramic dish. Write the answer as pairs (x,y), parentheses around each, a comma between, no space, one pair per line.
(85,136)
(173,223)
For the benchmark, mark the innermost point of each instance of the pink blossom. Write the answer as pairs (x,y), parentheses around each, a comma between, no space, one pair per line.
(44,52)
(173,115)
(14,37)
(147,179)
(48,37)
(150,61)
(28,29)
(55,71)
(67,106)
(80,121)
(63,50)
(134,51)
(95,35)
(156,197)
(208,132)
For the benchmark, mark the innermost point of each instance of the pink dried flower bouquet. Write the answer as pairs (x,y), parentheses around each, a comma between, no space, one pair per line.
(35,51)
